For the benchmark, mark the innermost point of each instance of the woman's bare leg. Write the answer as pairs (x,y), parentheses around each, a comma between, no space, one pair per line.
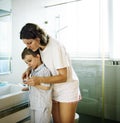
(67,112)
(64,112)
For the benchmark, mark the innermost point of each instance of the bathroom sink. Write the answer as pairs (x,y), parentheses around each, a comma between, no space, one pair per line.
(11,95)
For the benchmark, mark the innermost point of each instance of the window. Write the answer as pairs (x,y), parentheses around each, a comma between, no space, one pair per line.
(81,35)
(115,6)
(77,26)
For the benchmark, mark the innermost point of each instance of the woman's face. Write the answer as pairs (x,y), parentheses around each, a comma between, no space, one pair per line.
(32,44)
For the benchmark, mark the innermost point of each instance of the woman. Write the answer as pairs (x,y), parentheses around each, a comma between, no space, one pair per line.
(66,93)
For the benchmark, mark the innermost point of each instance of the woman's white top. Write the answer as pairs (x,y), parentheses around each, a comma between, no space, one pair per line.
(54,56)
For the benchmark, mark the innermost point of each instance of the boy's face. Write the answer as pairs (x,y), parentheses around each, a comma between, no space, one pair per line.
(32,61)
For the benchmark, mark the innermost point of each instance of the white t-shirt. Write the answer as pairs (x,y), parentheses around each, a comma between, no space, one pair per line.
(54,56)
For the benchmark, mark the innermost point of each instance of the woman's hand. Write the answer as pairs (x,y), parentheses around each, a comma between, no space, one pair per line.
(33,81)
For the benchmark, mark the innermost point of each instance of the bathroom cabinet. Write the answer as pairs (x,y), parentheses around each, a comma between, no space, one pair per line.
(16,114)
(14,103)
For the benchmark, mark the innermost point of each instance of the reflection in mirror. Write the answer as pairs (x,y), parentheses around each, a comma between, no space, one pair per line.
(5,42)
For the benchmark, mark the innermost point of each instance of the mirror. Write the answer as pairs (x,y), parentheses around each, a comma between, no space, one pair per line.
(5,38)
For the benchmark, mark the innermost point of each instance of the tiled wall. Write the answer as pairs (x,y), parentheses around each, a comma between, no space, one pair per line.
(90,75)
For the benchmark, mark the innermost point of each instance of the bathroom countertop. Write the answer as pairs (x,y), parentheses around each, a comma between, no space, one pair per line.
(11,110)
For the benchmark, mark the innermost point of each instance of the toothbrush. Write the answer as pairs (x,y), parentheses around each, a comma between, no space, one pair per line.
(25,84)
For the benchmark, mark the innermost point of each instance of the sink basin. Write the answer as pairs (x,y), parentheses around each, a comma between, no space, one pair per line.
(11,95)
(6,89)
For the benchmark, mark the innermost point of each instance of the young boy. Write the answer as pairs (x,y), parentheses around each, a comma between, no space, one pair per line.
(40,95)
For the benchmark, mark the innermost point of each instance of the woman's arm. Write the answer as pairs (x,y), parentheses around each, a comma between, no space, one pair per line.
(43,87)
(60,78)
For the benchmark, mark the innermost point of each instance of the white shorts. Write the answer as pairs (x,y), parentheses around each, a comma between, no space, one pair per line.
(66,92)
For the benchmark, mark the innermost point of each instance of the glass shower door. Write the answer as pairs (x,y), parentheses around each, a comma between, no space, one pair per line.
(89,73)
